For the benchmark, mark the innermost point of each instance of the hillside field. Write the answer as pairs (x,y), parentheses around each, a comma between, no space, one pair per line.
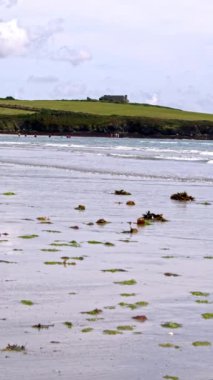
(106,109)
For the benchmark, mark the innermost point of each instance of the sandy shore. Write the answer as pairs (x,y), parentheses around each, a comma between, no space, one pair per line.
(111,344)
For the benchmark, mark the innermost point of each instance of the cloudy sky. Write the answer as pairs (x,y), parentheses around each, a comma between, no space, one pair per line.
(156,51)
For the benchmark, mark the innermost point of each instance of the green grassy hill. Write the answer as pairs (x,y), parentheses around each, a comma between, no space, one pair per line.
(98,118)
(108,109)
(13,112)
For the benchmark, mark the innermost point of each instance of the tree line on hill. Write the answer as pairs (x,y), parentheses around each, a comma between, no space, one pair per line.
(63,123)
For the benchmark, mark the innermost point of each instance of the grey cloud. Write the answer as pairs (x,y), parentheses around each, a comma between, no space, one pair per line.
(42,79)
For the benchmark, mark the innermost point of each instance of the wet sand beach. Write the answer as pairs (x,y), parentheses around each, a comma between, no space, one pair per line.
(70,287)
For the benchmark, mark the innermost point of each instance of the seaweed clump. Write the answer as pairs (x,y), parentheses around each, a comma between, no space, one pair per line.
(182,197)
(27,302)
(142,222)
(130,203)
(80,208)
(92,312)
(101,221)
(140,318)
(69,325)
(154,217)
(121,192)
(201,344)
(171,325)
(44,220)
(14,348)
(40,326)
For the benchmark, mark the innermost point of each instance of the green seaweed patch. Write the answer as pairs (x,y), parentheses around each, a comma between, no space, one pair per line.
(72,294)
(27,302)
(74,244)
(125,328)
(78,258)
(135,305)
(50,250)
(94,242)
(200,294)
(171,377)
(93,312)
(207,315)
(69,325)
(203,301)
(128,294)
(128,240)
(44,220)
(208,257)
(110,307)
(94,319)
(60,244)
(14,348)
(201,344)
(127,282)
(33,236)
(171,325)
(64,263)
(168,345)
(9,193)
(109,244)
(52,231)
(206,203)
(87,330)
(3,241)
(113,270)
(112,332)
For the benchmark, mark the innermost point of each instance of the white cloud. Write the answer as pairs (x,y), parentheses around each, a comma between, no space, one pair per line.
(38,42)
(153,100)
(8,3)
(14,39)
(73,56)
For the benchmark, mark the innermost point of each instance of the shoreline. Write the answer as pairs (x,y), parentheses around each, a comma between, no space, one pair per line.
(101,135)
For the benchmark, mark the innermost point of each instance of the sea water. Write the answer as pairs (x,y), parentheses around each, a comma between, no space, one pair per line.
(51,177)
